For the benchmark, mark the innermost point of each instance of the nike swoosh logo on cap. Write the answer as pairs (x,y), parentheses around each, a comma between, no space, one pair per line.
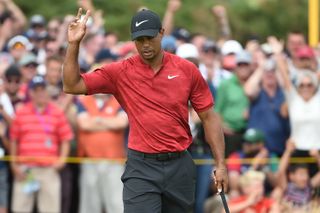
(141,22)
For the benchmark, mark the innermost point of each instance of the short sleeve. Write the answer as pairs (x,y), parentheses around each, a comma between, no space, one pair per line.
(201,97)
(103,79)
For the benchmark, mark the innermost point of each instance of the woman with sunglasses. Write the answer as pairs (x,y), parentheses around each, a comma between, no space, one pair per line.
(303,100)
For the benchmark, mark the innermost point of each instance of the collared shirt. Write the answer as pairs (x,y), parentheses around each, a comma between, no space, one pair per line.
(232,103)
(39,134)
(156,103)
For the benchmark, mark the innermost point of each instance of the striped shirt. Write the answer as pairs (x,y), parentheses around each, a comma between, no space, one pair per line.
(40,133)
(298,196)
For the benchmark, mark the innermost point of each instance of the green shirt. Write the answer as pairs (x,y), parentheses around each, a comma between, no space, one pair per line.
(232,103)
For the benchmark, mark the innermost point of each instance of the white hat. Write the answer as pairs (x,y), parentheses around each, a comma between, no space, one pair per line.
(231,46)
(243,57)
(20,39)
(187,51)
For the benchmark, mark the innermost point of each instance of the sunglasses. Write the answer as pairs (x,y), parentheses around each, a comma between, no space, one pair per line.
(31,65)
(16,81)
(308,85)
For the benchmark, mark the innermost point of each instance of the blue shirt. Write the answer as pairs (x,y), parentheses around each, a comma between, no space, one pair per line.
(265,116)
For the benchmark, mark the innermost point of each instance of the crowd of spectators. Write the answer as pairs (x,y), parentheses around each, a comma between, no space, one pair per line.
(266,93)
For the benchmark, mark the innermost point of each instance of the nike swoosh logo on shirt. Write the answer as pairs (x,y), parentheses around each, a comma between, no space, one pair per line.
(141,22)
(172,76)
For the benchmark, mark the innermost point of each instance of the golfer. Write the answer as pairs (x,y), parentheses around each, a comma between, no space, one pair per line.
(154,88)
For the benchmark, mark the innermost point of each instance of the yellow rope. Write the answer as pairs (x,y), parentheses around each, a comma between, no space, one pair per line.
(78,160)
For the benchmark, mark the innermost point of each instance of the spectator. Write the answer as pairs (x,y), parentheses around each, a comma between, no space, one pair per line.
(101,135)
(28,66)
(267,97)
(12,81)
(229,49)
(253,198)
(232,104)
(210,67)
(39,129)
(6,115)
(18,46)
(4,148)
(101,123)
(53,27)
(295,40)
(111,41)
(303,99)
(306,59)
(67,104)
(294,183)
(252,149)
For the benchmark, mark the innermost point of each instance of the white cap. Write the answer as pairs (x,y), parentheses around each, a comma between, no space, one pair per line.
(20,39)
(187,50)
(231,46)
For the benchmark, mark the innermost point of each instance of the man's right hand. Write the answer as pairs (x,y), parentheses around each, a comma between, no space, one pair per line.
(77,28)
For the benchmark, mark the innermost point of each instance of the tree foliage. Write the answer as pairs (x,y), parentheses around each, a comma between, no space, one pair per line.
(258,17)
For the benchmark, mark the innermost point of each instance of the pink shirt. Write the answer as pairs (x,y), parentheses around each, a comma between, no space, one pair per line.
(40,134)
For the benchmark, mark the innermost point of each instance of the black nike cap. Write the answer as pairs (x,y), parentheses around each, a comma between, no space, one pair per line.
(145,23)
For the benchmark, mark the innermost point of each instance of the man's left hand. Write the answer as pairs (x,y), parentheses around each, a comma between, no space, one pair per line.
(220,178)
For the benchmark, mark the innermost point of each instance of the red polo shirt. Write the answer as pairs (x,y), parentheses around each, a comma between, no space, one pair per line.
(156,103)
(40,134)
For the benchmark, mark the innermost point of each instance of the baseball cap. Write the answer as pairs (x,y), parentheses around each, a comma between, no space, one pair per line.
(105,54)
(11,71)
(253,135)
(231,47)
(168,43)
(181,34)
(28,58)
(305,52)
(19,40)
(37,20)
(36,81)
(187,50)
(145,23)
(243,57)
(210,45)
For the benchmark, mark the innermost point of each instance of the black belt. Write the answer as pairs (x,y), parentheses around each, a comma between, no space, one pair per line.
(165,156)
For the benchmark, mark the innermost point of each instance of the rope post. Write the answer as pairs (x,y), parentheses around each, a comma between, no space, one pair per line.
(313,17)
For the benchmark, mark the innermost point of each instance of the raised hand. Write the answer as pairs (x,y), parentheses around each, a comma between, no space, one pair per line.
(174,5)
(77,28)
(276,45)
(219,11)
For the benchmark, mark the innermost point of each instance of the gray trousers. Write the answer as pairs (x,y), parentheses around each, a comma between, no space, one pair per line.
(154,186)
(101,187)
